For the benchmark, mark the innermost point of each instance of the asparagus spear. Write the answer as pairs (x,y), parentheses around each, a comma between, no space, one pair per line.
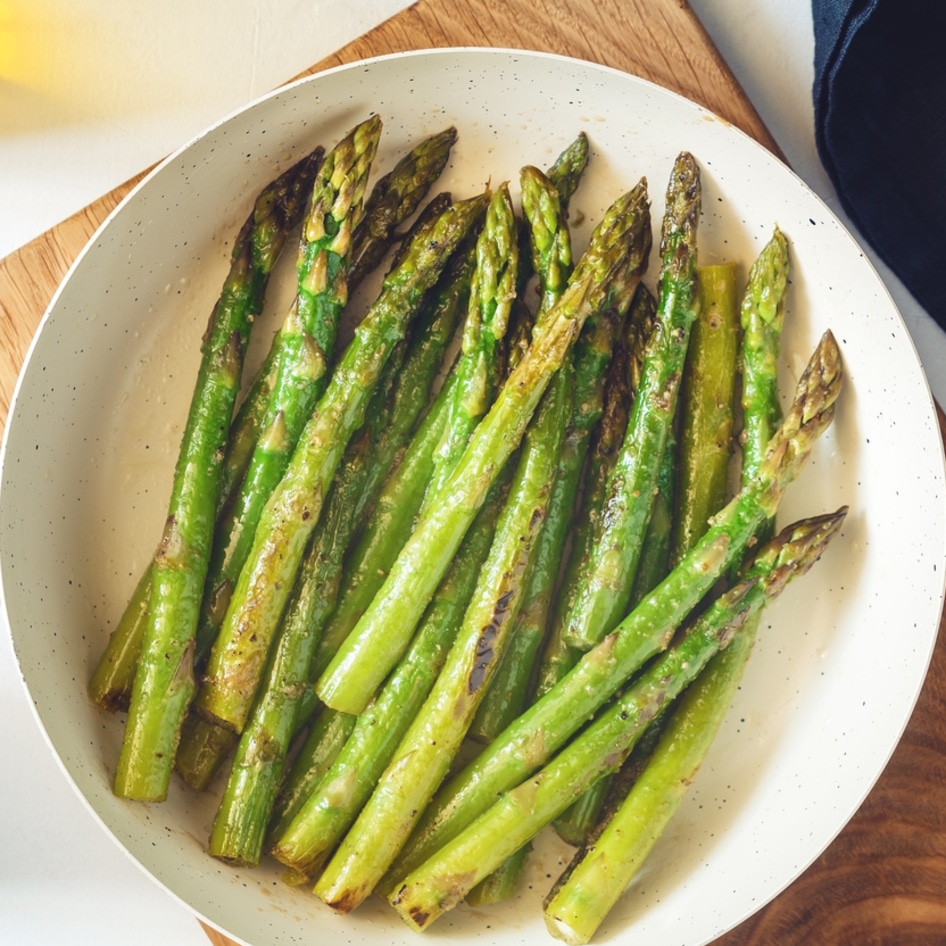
(278,209)
(708,406)
(567,169)
(599,430)
(762,315)
(203,743)
(575,823)
(264,584)
(503,882)
(163,681)
(203,749)
(114,674)
(201,746)
(603,593)
(306,348)
(549,237)
(526,744)
(428,748)
(551,253)
(702,502)
(249,418)
(584,371)
(480,365)
(395,197)
(442,881)
(655,555)
(382,634)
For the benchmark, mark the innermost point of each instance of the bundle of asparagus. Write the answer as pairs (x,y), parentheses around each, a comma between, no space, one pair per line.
(496,527)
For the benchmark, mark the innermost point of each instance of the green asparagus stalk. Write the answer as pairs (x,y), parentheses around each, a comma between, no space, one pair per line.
(598,876)
(549,237)
(279,208)
(560,657)
(762,411)
(203,747)
(516,680)
(479,369)
(249,418)
(395,197)
(114,674)
(381,636)
(762,315)
(436,732)
(306,350)
(563,177)
(599,429)
(164,680)
(576,824)
(444,879)
(305,841)
(240,652)
(603,594)
(708,402)
(568,168)
(511,687)
(655,555)
(526,744)
(550,250)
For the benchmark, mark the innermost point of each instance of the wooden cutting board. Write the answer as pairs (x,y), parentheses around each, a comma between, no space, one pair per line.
(882,879)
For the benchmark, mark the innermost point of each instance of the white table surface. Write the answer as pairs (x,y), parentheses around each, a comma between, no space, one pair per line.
(91,92)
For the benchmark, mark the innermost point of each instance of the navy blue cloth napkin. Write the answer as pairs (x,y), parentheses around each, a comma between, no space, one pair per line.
(880,128)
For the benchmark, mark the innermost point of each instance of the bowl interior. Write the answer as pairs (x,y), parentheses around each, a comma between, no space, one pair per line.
(93,434)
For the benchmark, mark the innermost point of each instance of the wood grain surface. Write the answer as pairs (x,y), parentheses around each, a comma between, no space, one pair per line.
(882,879)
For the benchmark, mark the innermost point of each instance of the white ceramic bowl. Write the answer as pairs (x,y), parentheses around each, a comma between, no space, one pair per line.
(93,433)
